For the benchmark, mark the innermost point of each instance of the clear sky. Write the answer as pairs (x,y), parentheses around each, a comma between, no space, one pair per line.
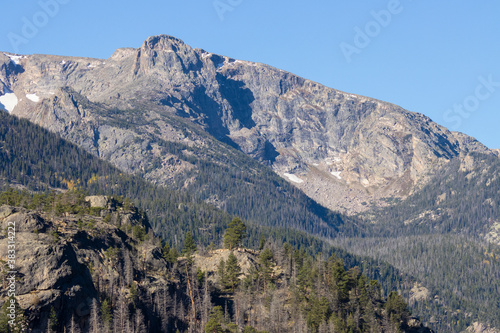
(439,58)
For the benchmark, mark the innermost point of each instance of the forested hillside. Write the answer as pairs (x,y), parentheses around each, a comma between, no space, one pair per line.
(446,236)
(462,197)
(110,273)
(461,275)
(32,156)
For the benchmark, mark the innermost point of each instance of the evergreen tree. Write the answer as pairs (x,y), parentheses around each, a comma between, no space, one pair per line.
(265,265)
(396,308)
(53,320)
(318,312)
(214,324)
(189,248)
(107,319)
(262,242)
(173,255)
(166,251)
(189,244)
(235,232)
(221,271)
(233,272)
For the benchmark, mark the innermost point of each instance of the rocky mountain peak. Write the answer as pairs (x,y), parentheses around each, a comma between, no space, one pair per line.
(163,43)
(164,54)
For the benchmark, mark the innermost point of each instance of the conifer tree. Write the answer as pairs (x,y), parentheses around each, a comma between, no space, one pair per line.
(214,324)
(106,315)
(235,232)
(233,272)
(265,263)
(189,247)
(53,320)
(221,270)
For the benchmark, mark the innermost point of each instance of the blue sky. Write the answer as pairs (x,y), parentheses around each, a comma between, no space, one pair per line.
(437,58)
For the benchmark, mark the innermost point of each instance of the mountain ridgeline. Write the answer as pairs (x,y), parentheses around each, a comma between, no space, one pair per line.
(135,110)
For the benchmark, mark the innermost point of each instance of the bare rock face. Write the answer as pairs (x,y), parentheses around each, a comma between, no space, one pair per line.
(481,328)
(50,273)
(209,263)
(61,262)
(23,222)
(100,201)
(343,150)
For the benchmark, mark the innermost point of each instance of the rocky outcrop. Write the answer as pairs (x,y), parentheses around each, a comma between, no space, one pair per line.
(23,221)
(209,262)
(343,150)
(64,262)
(481,328)
(100,201)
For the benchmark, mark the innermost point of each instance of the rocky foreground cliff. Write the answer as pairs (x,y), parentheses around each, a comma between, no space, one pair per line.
(67,260)
(342,150)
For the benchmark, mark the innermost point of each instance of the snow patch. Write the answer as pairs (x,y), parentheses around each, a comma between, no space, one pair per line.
(293,178)
(229,63)
(206,55)
(63,62)
(33,97)
(8,101)
(365,182)
(336,174)
(14,58)
(90,66)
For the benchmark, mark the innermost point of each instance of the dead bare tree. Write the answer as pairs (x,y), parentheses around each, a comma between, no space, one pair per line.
(95,318)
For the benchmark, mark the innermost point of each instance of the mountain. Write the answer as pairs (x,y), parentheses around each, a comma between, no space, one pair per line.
(207,137)
(342,150)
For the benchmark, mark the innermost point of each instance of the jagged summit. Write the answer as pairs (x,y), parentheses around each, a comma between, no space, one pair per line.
(162,42)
